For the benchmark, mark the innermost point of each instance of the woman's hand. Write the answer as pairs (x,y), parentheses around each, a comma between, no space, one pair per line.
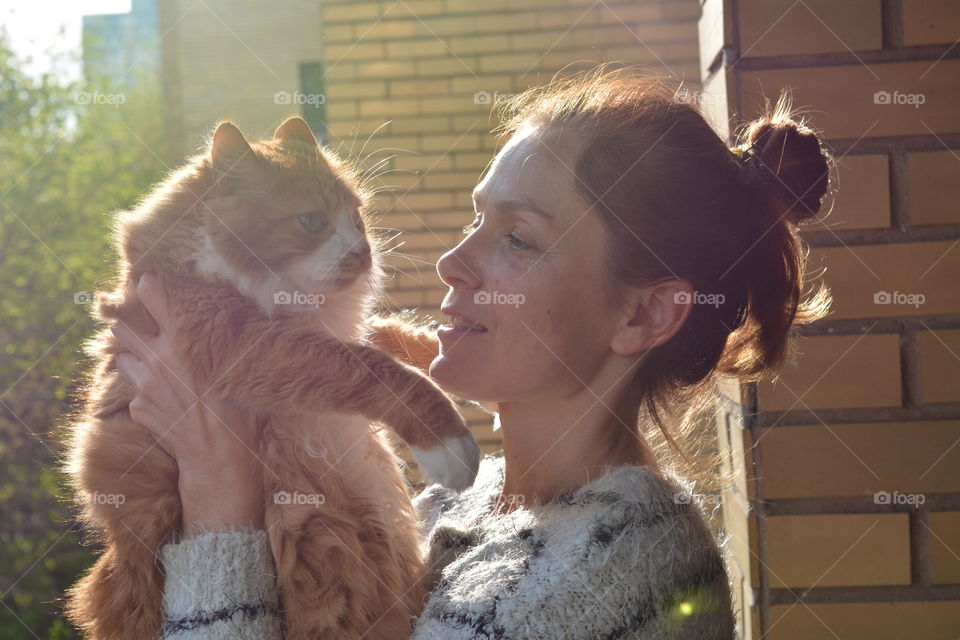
(214,442)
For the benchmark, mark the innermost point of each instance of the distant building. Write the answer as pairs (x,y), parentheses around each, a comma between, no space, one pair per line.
(123,47)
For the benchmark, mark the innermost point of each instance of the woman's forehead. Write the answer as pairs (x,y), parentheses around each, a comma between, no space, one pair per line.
(535,166)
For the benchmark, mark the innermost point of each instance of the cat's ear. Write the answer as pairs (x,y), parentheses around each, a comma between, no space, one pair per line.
(229,146)
(295,128)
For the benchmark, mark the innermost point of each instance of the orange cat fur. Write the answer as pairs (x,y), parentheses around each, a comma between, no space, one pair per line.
(269,272)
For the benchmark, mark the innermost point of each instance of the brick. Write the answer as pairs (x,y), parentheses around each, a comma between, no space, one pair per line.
(451,105)
(421,125)
(478,44)
(347,90)
(540,41)
(452,142)
(350,128)
(838,550)
(934,184)
(836,372)
(400,220)
(387,29)
(424,8)
(389,107)
(386,69)
(447,26)
(860,459)
(889,280)
(603,36)
(787,27)
(452,220)
(420,48)
(354,51)
(448,67)
(867,621)
(848,103)
(423,163)
(630,14)
(469,6)
(862,195)
(930,22)
(342,109)
(508,62)
(463,180)
(945,547)
(471,84)
(472,160)
(338,32)
(426,201)
(420,87)
(516,21)
(940,365)
(350,11)
(681,10)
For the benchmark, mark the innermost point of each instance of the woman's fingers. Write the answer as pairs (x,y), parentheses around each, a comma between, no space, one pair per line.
(131,367)
(134,342)
(154,298)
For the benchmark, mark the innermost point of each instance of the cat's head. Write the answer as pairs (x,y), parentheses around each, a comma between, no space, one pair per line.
(286,221)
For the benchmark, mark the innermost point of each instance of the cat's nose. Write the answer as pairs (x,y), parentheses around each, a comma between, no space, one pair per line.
(362,252)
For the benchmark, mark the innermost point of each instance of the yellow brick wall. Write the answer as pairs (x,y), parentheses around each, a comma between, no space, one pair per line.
(423,74)
(872,403)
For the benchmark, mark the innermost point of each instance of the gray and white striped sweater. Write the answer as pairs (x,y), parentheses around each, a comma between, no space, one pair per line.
(625,556)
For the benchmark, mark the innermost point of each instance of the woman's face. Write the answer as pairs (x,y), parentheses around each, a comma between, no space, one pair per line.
(529,274)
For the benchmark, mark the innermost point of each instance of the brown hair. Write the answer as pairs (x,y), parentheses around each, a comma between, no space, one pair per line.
(678,203)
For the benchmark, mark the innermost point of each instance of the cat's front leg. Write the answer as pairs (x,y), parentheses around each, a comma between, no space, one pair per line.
(278,364)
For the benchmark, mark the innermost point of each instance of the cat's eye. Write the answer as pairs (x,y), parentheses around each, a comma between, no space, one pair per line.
(314,222)
(358,219)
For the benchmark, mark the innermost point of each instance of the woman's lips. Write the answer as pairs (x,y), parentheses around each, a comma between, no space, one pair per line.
(451,332)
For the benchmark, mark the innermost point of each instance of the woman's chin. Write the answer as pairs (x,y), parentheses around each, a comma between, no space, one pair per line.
(454,376)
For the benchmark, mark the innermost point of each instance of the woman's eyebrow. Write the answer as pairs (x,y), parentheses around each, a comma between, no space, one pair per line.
(512,206)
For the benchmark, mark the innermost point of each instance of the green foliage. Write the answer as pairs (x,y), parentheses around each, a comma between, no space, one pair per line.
(69,154)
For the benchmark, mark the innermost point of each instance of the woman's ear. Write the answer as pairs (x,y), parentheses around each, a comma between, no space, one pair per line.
(652,315)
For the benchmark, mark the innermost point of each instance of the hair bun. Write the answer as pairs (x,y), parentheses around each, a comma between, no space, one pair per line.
(786,158)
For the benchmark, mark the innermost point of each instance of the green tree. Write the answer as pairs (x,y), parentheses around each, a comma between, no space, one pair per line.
(70,152)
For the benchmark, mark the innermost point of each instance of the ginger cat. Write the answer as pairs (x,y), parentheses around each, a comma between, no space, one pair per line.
(270,274)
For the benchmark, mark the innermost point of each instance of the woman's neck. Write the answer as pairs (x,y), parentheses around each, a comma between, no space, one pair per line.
(554,445)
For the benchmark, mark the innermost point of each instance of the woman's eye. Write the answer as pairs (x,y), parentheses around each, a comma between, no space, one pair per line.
(517,243)
(313,222)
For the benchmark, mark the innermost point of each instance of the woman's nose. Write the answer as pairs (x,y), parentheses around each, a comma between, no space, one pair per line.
(456,267)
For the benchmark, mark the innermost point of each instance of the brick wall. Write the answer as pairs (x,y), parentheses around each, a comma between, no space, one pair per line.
(430,70)
(872,404)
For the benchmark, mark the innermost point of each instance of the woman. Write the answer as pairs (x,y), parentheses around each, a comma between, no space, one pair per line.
(621,257)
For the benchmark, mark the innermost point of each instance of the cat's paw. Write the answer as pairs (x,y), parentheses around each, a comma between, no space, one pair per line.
(453,464)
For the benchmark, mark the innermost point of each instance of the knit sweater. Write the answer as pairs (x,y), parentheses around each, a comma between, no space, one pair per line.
(627,555)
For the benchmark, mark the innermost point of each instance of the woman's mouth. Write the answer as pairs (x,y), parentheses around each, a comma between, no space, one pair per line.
(458,327)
